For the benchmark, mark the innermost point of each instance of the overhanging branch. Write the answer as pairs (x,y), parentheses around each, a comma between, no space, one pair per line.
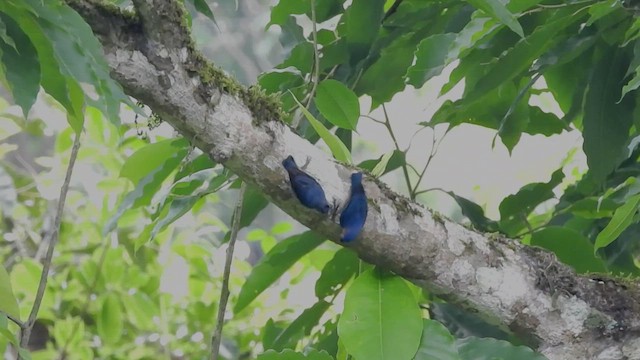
(527,289)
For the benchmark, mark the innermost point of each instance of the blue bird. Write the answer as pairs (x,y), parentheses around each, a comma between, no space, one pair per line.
(306,188)
(354,214)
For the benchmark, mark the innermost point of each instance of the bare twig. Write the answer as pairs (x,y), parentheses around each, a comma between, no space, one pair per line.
(224,292)
(28,326)
(15,320)
(387,124)
(435,145)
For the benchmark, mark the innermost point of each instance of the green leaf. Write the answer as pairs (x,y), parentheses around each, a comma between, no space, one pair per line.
(300,327)
(396,161)
(473,348)
(386,76)
(475,214)
(601,9)
(528,197)
(292,355)
(8,302)
(622,218)
(280,12)
(571,247)
(274,264)
(381,166)
(381,318)
(338,104)
(152,156)
(337,147)
(203,8)
(436,343)
(146,185)
(523,54)
(498,11)
(335,273)
(22,68)
(140,310)
(109,321)
(606,121)
(431,58)
(359,26)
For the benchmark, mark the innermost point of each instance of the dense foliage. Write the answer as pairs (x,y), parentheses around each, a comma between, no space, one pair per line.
(137,271)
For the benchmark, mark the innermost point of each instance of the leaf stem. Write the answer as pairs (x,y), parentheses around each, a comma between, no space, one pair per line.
(387,124)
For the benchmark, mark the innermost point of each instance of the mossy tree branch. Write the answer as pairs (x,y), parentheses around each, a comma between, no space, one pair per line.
(525,289)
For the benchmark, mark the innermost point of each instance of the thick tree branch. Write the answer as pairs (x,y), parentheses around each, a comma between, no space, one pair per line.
(525,288)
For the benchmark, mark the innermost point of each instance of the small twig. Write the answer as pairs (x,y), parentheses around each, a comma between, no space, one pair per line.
(429,190)
(15,320)
(28,326)
(316,62)
(435,145)
(216,339)
(387,124)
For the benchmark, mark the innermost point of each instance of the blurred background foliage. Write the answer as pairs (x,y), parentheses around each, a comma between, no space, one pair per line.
(522,111)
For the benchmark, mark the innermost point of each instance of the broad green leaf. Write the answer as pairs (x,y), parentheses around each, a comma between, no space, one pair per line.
(140,310)
(359,26)
(336,272)
(54,82)
(80,55)
(324,10)
(524,53)
(498,11)
(601,9)
(431,58)
(337,147)
(109,321)
(622,218)
(381,318)
(606,120)
(146,186)
(473,348)
(436,343)
(8,302)
(475,214)
(289,354)
(152,156)
(21,65)
(301,58)
(544,123)
(529,196)
(338,104)
(381,166)
(274,264)
(571,247)
(327,338)
(386,76)
(300,327)
(396,161)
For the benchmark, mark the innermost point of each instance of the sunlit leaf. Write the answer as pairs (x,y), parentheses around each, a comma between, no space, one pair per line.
(622,218)
(274,264)
(571,247)
(8,302)
(381,318)
(337,147)
(338,104)
(437,343)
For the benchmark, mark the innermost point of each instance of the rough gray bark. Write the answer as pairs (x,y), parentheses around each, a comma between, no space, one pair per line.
(526,289)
